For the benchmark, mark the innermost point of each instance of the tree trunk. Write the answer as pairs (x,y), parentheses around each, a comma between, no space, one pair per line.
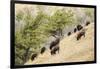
(26,54)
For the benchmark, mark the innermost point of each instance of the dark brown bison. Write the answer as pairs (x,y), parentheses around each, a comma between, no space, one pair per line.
(79,27)
(54,50)
(34,56)
(69,33)
(43,50)
(75,29)
(54,43)
(80,34)
(87,23)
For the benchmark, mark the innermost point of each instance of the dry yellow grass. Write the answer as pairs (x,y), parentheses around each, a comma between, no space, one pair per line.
(71,50)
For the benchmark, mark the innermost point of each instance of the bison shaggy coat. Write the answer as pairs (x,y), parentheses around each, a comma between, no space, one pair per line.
(79,27)
(69,33)
(87,23)
(54,50)
(75,29)
(34,56)
(54,43)
(80,34)
(43,50)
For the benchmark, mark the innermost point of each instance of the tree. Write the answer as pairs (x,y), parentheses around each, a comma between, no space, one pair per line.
(29,37)
(36,31)
(58,21)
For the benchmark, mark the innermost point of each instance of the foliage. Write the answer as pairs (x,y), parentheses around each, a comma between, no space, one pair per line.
(89,13)
(19,15)
(37,29)
(29,37)
(58,21)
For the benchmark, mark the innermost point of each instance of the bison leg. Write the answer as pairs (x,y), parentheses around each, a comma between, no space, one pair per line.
(32,58)
(77,38)
(52,52)
(58,50)
(84,35)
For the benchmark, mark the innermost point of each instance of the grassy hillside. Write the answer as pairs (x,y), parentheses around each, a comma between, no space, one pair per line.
(71,50)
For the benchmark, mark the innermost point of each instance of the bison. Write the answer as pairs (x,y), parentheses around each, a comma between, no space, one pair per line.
(54,50)
(80,34)
(43,50)
(54,43)
(87,23)
(69,33)
(34,56)
(79,27)
(75,29)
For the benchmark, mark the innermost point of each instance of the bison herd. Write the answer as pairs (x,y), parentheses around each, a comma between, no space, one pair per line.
(54,48)
(54,45)
(81,30)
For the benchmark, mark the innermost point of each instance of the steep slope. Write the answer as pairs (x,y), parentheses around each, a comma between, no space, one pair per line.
(71,50)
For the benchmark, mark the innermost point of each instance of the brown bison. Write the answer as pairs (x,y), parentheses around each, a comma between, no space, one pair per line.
(79,27)
(87,23)
(80,34)
(34,56)
(43,50)
(69,33)
(54,43)
(54,50)
(75,29)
